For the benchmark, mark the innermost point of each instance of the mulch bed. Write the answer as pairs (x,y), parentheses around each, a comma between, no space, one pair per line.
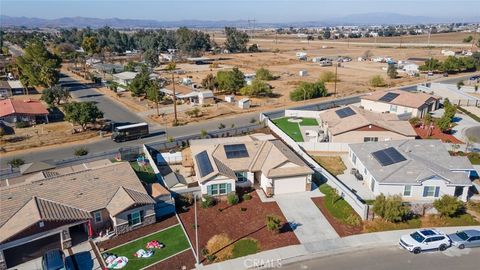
(342,229)
(239,224)
(177,262)
(138,233)
(436,133)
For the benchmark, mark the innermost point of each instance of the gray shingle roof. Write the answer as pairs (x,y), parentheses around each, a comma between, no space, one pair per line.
(424,159)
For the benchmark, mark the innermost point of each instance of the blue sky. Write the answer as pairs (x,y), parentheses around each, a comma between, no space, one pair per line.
(261,10)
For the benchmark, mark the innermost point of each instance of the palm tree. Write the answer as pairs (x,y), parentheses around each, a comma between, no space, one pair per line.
(171,67)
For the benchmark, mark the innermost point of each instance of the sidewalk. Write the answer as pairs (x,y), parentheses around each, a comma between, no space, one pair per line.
(307,251)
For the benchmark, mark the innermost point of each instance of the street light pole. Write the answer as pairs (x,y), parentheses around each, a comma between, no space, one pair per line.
(196,228)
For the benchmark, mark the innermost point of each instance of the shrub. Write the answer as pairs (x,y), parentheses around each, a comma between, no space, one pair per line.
(243,209)
(81,151)
(195,112)
(246,197)
(203,133)
(219,246)
(391,209)
(328,76)
(377,81)
(22,124)
(221,126)
(16,162)
(185,199)
(415,121)
(273,223)
(208,201)
(232,198)
(308,91)
(353,220)
(448,206)
(258,88)
(264,74)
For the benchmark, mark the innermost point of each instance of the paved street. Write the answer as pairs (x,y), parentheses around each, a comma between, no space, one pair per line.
(393,258)
(306,220)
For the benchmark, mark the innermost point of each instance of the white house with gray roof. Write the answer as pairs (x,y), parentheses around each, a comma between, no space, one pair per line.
(223,164)
(418,170)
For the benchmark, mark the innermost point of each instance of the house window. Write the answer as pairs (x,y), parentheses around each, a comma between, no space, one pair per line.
(365,171)
(431,191)
(354,158)
(393,108)
(372,185)
(407,191)
(97,217)
(241,176)
(134,218)
(219,189)
(370,139)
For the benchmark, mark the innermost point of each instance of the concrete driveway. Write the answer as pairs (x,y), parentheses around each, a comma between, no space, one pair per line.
(305,218)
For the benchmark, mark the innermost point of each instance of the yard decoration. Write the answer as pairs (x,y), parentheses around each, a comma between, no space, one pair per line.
(118,263)
(154,244)
(141,253)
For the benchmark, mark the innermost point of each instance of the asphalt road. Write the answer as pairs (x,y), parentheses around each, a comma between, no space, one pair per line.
(111,110)
(393,258)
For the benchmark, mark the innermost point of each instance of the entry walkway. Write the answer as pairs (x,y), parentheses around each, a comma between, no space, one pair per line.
(305,218)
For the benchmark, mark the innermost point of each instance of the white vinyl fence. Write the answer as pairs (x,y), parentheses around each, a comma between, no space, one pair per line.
(351,198)
(302,113)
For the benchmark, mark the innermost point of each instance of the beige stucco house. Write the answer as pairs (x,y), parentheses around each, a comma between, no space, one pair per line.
(352,124)
(406,168)
(224,164)
(400,103)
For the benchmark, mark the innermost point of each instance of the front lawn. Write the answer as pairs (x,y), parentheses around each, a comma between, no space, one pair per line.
(173,238)
(145,173)
(333,164)
(245,247)
(380,225)
(339,208)
(292,129)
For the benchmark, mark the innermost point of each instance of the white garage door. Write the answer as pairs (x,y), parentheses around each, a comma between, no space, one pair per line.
(289,185)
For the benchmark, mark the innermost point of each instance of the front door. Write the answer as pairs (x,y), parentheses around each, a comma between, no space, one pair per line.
(458,191)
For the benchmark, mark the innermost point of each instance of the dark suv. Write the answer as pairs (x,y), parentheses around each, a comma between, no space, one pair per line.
(53,260)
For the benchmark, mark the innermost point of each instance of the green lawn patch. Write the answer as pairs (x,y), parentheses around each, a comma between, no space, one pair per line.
(173,238)
(245,247)
(339,208)
(145,173)
(290,128)
(473,116)
(309,122)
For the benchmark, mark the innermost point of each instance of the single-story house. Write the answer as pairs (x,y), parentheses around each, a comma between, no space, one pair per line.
(417,170)
(352,124)
(400,102)
(16,86)
(28,110)
(124,78)
(224,164)
(59,207)
(103,68)
(5,89)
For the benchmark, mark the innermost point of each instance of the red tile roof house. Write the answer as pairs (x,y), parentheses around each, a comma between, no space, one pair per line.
(29,110)
(55,208)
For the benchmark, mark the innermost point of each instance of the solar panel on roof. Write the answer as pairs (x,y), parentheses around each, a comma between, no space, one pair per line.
(389,97)
(345,112)
(388,156)
(235,151)
(203,162)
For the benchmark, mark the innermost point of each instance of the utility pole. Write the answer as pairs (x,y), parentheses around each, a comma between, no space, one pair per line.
(174,98)
(335,82)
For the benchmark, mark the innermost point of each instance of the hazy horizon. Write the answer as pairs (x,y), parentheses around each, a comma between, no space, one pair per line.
(231,10)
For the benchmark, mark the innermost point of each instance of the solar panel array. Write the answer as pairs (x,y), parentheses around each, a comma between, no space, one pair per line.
(235,151)
(388,156)
(389,97)
(203,162)
(345,112)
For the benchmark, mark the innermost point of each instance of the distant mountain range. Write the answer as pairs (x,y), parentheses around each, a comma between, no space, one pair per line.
(354,19)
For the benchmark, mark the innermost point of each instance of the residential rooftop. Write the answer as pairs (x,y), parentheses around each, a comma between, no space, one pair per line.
(401,98)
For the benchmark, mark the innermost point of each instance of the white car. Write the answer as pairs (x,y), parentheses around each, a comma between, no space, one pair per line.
(425,239)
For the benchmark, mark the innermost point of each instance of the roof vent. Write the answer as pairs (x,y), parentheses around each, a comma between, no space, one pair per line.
(80,193)
(9,198)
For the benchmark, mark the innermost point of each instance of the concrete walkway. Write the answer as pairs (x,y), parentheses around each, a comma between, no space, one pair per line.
(305,218)
(285,255)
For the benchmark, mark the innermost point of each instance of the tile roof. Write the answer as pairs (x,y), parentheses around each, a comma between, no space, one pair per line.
(28,106)
(90,189)
(362,118)
(265,154)
(35,167)
(406,99)
(419,164)
(125,198)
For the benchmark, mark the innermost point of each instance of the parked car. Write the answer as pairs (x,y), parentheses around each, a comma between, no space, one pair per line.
(467,238)
(53,260)
(475,78)
(425,239)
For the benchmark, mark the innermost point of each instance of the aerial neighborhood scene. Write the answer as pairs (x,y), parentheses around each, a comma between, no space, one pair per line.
(239,135)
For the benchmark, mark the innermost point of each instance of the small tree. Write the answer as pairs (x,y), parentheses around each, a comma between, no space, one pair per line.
(207,201)
(328,76)
(443,123)
(53,96)
(210,82)
(264,74)
(392,71)
(391,209)
(81,151)
(448,206)
(16,162)
(82,113)
(273,223)
(256,89)
(377,81)
(460,84)
(232,198)
(367,54)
